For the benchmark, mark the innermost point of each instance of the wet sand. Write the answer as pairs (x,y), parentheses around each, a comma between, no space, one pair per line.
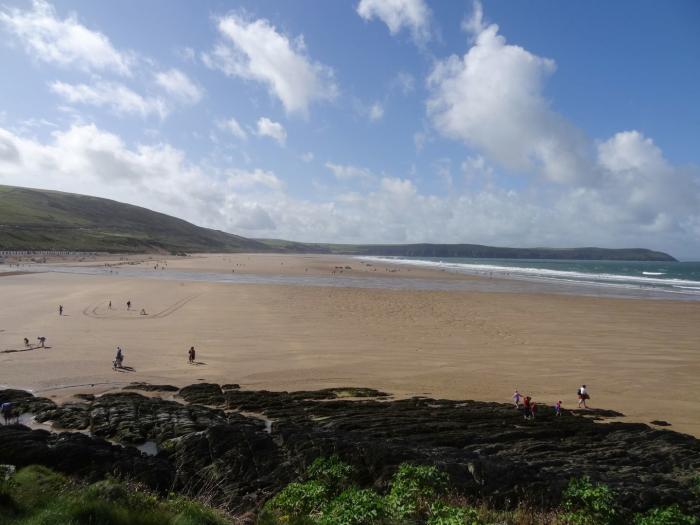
(640,357)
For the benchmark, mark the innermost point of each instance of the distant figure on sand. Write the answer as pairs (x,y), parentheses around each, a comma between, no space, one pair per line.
(26,342)
(42,341)
(582,396)
(60,309)
(557,408)
(110,305)
(190,355)
(533,409)
(128,305)
(143,311)
(118,359)
(516,398)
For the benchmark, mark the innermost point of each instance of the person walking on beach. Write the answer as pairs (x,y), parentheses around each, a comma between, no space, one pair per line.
(582,396)
(191,355)
(110,306)
(42,341)
(26,342)
(128,305)
(557,408)
(118,359)
(533,409)
(516,398)
(60,309)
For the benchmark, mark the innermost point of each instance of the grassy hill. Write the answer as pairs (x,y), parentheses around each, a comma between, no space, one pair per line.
(52,220)
(46,220)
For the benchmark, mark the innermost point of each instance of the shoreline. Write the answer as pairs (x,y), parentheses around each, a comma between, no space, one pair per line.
(638,356)
(334,271)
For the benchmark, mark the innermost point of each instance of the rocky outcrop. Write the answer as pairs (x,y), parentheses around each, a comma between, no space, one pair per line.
(239,447)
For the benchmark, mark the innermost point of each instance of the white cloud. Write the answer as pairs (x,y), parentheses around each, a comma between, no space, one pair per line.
(64,42)
(413,15)
(404,81)
(662,212)
(255,50)
(232,126)
(475,169)
(269,128)
(491,98)
(307,157)
(113,95)
(187,54)
(179,85)
(376,112)
(240,179)
(347,172)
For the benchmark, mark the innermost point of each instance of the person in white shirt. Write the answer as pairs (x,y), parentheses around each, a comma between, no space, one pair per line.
(582,396)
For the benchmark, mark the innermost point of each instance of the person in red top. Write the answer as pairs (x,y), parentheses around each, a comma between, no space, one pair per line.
(526,406)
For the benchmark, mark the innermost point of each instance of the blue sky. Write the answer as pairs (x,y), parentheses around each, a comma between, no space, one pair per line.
(505,123)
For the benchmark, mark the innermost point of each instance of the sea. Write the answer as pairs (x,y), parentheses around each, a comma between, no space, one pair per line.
(628,278)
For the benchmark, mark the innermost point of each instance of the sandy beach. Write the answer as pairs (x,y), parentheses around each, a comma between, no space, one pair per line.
(639,357)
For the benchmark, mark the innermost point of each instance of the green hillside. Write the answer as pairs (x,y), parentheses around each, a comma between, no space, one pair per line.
(50,220)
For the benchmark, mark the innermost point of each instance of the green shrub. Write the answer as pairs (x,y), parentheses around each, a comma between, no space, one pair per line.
(332,472)
(443,514)
(35,486)
(355,507)
(587,503)
(665,516)
(413,489)
(299,499)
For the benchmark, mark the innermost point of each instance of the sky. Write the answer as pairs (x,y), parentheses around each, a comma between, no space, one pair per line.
(532,123)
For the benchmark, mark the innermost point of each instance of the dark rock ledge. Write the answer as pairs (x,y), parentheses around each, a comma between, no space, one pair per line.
(216,442)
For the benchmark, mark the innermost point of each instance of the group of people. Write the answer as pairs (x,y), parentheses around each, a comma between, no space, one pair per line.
(529,406)
(41,339)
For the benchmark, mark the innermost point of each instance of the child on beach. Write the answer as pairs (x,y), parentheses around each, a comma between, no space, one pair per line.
(516,398)
(128,305)
(60,309)
(191,354)
(557,408)
(42,341)
(26,342)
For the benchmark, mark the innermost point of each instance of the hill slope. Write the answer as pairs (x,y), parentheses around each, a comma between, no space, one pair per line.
(33,219)
(46,220)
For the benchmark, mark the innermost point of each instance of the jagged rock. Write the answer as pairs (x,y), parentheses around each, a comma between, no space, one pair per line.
(76,453)
(488,449)
(203,393)
(660,423)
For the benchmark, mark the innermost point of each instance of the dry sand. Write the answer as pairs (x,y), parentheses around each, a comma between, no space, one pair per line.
(640,357)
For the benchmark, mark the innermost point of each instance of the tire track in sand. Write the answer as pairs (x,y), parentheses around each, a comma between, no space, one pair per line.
(92,310)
